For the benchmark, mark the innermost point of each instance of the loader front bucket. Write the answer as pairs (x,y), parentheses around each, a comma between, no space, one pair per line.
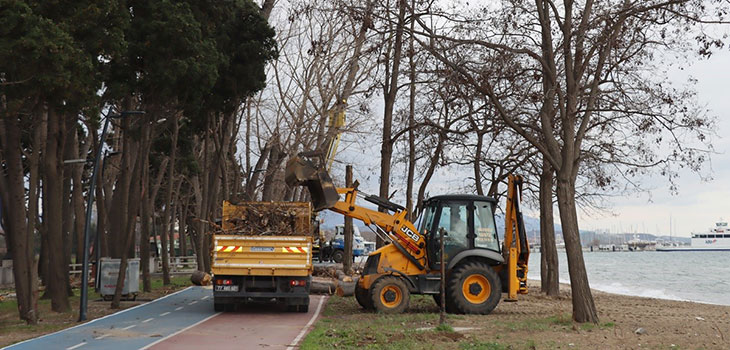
(302,172)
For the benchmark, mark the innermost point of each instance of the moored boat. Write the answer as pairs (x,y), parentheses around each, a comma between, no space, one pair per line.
(716,239)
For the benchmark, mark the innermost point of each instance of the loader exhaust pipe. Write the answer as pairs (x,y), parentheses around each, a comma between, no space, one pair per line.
(303,172)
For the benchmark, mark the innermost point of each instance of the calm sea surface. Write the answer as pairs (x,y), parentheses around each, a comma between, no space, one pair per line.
(694,276)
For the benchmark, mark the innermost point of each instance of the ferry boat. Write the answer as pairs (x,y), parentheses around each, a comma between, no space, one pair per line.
(717,239)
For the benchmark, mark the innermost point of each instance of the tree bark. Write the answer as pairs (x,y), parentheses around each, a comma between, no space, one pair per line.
(347,263)
(145,215)
(70,151)
(133,210)
(584,309)
(391,90)
(434,160)
(168,203)
(18,231)
(411,119)
(77,174)
(119,210)
(549,272)
(52,213)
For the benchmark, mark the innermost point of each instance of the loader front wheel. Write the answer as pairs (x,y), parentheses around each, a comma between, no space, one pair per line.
(390,295)
(474,288)
(363,297)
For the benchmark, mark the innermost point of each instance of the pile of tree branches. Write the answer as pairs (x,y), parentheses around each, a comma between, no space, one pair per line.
(269,219)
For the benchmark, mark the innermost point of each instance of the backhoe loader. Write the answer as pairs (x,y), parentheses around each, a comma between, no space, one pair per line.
(477,269)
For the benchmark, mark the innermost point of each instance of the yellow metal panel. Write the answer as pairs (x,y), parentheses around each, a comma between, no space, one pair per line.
(262,255)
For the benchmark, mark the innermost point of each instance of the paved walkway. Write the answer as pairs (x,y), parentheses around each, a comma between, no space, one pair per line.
(181,320)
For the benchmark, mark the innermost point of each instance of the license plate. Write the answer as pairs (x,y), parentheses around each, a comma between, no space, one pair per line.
(226,288)
(262,249)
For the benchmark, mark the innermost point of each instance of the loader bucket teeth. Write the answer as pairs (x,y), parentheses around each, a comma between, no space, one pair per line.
(302,172)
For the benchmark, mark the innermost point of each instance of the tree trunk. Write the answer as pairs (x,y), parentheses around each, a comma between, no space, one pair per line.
(272,168)
(168,203)
(52,213)
(478,164)
(118,212)
(18,231)
(584,310)
(411,119)
(199,226)
(134,204)
(549,278)
(183,229)
(70,151)
(145,215)
(101,217)
(434,160)
(347,263)
(78,200)
(386,150)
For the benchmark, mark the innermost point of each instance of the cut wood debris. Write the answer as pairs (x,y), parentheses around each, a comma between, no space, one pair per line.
(267,219)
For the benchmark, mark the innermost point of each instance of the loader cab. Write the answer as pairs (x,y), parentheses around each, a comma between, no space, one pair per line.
(467,222)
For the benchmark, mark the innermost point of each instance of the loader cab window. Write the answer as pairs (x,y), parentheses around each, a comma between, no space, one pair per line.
(484,227)
(425,220)
(453,219)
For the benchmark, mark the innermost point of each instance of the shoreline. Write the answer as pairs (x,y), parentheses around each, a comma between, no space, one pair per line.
(565,285)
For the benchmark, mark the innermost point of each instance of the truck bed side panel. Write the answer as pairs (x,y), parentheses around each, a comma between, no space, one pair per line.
(241,255)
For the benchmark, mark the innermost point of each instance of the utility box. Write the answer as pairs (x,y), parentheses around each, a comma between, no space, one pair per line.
(110,272)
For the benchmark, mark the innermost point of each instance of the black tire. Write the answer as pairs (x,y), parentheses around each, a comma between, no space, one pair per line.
(390,295)
(473,288)
(338,256)
(363,297)
(218,307)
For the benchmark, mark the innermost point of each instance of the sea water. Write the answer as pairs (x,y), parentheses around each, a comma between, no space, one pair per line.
(692,276)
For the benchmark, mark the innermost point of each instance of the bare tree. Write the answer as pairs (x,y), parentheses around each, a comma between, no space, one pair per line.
(589,61)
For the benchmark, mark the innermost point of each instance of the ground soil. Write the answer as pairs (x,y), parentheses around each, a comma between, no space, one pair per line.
(666,324)
(12,330)
(534,322)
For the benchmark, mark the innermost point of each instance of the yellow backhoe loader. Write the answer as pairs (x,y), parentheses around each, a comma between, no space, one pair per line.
(477,268)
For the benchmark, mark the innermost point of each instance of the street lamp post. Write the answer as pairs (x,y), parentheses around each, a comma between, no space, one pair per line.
(90,201)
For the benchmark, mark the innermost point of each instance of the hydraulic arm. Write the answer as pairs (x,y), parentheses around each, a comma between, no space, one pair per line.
(516,248)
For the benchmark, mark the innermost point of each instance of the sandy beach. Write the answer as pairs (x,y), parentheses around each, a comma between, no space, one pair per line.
(666,324)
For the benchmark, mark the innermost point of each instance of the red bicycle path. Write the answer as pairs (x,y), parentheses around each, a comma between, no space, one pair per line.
(252,327)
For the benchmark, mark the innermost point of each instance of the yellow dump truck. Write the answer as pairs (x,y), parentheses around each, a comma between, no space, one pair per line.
(263,254)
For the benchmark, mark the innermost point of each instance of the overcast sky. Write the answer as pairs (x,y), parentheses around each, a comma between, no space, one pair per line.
(699,204)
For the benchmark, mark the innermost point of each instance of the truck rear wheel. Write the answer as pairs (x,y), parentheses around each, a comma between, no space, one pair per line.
(390,295)
(338,256)
(363,297)
(474,288)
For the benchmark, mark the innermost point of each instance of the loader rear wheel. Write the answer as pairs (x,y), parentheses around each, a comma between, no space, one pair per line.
(363,297)
(390,295)
(474,288)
